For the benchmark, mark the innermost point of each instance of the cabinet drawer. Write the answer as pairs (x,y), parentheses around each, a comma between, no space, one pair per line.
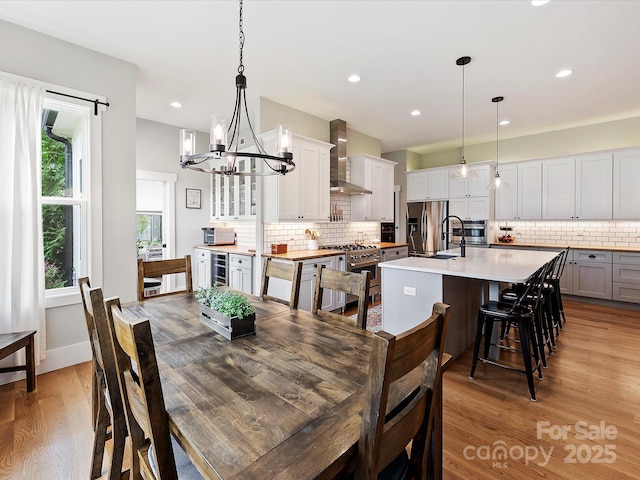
(626,257)
(626,273)
(592,256)
(309,266)
(242,261)
(202,254)
(626,292)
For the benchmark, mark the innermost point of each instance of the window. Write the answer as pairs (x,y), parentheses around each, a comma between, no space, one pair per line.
(65,195)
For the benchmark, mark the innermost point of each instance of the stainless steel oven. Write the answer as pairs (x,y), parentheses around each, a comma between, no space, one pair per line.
(360,258)
(476,232)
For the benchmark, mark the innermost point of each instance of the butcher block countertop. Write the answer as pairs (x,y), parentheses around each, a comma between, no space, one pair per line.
(230,249)
(573,247)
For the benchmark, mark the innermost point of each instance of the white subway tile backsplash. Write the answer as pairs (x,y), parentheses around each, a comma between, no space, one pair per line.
(581,233)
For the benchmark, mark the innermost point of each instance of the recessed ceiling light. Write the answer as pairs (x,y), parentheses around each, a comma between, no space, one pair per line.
(539,3)
(354,78)
(504,122)
(415,113)
(564,73)
(176,104)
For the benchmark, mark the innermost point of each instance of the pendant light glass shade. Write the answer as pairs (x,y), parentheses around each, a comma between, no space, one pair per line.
(462,171)
(497,182)
(224,139)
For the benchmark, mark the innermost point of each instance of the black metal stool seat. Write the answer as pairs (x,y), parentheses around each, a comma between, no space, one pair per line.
(520,316)
(520,313)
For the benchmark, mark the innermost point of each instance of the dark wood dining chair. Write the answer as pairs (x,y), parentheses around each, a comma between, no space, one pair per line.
(350,283)
(157,268)
(106,397)
(154,455)
(384,437)
(290,271)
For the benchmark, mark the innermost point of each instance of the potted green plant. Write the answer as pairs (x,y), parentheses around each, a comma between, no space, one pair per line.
(227,312)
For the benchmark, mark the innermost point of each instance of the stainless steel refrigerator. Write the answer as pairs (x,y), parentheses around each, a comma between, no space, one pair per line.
(424,227)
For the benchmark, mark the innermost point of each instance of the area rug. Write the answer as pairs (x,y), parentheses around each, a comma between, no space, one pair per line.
(374,318)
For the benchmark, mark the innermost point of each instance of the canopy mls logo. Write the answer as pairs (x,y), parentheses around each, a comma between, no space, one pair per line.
(585,451)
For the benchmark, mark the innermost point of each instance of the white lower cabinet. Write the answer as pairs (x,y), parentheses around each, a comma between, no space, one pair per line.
(241,272)
(626,277)
(331,300)
(202,268)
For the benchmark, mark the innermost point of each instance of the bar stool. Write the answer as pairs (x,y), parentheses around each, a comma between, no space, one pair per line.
(520,315)
(540,302)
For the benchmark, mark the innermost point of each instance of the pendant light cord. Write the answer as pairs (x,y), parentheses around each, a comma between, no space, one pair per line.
(497,130)
(463,112)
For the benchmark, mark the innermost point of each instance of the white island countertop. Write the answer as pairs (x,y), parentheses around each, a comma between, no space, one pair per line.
(498,265)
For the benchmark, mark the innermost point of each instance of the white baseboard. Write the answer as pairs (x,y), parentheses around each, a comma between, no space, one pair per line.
(55,360)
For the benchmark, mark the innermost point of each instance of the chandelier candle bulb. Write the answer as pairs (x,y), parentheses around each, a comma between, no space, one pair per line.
(187,142)
(284,140)
(218,133)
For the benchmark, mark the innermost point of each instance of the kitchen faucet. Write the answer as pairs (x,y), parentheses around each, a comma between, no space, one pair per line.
(462,242)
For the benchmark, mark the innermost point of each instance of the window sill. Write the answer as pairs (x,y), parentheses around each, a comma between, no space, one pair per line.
(62,297)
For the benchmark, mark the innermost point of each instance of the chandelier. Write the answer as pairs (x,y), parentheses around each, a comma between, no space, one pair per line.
(222,154)
(463,168)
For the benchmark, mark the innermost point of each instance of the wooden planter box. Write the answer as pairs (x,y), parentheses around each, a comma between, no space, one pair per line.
(228,327)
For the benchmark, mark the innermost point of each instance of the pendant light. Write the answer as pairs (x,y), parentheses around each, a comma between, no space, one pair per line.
(462,171)
(222,154)
(497,182)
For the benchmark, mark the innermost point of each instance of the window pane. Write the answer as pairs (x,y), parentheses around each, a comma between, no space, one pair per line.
(149,226)
(61,247)
(57,163)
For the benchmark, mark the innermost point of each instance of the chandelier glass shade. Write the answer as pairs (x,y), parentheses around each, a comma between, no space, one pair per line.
(224,139)
(462,171)
(497,182)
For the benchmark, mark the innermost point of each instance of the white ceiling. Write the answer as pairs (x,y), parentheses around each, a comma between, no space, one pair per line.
(299,53)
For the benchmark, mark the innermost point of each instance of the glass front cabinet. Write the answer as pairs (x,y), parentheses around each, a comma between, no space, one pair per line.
(234,197)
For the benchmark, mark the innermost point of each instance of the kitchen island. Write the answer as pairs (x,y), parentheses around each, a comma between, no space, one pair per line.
(411,285)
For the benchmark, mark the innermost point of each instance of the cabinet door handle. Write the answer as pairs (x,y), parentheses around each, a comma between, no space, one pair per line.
(592,256)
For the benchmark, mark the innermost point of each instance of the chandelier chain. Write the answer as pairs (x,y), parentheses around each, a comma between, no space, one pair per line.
(241,39)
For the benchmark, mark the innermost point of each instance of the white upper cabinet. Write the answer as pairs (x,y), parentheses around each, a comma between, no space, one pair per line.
(594,187)
(472,186)
(428,184)
(522,199)
(234,197)
(472,208)
(558,189)
(626,190)
(304,193)
(375,174)
(577,187)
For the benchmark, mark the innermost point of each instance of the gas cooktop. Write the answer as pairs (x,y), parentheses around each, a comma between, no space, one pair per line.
(349,247)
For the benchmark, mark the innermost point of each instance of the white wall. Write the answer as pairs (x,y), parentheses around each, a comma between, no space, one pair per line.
(40,57)
(157,149)
(590,138)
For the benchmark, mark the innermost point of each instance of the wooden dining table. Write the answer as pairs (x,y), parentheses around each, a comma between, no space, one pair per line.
(284,403)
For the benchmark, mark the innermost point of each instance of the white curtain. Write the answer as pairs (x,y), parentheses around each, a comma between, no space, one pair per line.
(21,250)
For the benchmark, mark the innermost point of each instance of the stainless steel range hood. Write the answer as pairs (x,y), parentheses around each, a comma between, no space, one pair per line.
(338,164)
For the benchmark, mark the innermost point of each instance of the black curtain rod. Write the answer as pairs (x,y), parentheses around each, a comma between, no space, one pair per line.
(95,102)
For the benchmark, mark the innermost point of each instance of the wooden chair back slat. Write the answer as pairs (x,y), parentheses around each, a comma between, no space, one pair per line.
(348,282)
(144,402)
(384,435)
(105,379)
(290,271)
(158,268)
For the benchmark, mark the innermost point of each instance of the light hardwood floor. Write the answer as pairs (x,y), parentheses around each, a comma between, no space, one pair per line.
(592,378)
